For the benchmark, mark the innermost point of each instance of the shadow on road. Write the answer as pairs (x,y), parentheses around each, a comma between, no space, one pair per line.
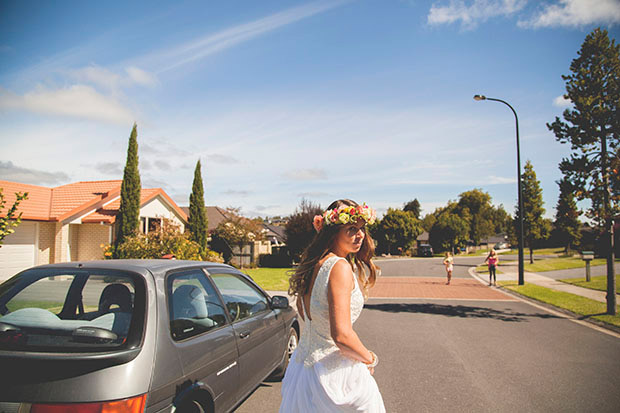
(462,311)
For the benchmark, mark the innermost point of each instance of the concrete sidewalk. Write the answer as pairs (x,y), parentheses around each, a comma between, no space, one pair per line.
(548,282)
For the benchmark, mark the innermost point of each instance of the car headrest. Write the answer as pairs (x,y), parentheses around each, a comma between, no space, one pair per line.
(117,294)
(188,301)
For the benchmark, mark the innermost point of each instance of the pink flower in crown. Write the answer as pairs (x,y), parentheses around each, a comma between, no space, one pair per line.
(317,222)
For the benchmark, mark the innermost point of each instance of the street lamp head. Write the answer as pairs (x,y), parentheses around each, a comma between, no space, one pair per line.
(479,97)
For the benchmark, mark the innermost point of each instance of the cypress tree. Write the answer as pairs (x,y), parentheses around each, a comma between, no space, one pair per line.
(567,216)
(128,219)
(535,227)
(197,220)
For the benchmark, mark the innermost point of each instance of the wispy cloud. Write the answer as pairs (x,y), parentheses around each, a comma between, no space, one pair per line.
(233,192)
(562,102)
(77,101)
(109,168)
(112,80)
(575,13)
(11,172)
(472,13)
(219,158)
(309,174)
(214,43)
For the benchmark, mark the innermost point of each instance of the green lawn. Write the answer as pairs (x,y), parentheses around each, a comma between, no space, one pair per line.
(484,269)
(54,307)
(541,251)
(596,283)
(561,263)
(571,302)
(270,279)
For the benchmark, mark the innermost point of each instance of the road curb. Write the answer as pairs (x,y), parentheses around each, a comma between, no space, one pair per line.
(557,311)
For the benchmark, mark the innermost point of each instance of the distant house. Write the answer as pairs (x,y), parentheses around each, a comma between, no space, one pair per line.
(276,234)
(422,239)
(215,216)
(70,222)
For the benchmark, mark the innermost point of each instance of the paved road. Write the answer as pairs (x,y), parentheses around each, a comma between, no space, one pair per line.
(478,356)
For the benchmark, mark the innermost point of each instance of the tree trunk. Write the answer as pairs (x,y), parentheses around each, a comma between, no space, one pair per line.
(531,255)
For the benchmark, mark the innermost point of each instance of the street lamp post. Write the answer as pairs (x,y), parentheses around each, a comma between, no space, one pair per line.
(521,277)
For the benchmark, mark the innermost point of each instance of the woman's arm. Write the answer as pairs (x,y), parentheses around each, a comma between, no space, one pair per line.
(339,299)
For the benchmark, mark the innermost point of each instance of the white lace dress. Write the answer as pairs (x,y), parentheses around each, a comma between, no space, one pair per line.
(319,378)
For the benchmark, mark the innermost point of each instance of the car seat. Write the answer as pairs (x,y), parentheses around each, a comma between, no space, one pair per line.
(113,294)
(188,301)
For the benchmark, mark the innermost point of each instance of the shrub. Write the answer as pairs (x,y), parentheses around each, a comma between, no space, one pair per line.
(156,244)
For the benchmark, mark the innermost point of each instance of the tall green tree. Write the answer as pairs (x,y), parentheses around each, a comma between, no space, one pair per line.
(450,229)
(8,220)
(197,221)
(128,218)
(397,229)
(592,128)
(413,207)
(475,206)
(567,225)
(535,227)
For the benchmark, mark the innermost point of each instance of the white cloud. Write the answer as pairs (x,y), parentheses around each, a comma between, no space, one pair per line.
(110,80)
(141,77)
(225,39)
(309,174)
(562,102)
(575,13)
(97,75)
(472,13)
(77,101)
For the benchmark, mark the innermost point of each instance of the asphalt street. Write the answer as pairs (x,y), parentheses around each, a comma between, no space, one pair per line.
(478,356)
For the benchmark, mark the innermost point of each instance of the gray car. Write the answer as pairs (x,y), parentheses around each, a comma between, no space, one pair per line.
(138,336)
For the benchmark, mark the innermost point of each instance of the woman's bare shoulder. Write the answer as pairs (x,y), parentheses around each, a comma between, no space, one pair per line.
(341,273)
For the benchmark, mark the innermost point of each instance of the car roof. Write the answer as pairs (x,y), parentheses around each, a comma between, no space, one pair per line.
(158,267)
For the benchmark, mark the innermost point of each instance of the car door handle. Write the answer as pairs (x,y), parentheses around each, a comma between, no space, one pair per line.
(245,334)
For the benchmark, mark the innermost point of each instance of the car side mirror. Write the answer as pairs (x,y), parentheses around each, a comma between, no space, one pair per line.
(278,301)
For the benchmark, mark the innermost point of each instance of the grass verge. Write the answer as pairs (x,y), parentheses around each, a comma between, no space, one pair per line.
(484,269)
(574,303)
(270,279)
(596,283)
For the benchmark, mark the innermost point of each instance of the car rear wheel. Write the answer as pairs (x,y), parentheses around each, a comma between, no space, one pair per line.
(291,345)
(193,406)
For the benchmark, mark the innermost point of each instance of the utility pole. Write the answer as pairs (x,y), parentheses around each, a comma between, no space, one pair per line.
(609,230)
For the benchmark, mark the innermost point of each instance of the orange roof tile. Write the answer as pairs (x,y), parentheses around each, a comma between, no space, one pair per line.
(36,207)
(60,203)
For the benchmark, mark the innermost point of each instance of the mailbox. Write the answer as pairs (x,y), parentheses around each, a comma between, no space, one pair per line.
(587,255)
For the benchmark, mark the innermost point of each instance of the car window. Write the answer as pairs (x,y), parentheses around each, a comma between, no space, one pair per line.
(242,299)
(193,305)
(54,310)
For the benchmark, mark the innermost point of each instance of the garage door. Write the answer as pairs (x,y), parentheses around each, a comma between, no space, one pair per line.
(18,250)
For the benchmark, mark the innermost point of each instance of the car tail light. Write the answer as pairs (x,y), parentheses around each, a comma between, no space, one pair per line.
(133,405)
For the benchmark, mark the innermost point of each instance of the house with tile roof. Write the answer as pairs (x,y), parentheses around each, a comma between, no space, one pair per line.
(70,222)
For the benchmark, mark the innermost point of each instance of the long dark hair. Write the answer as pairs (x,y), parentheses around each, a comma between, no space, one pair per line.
(320,246)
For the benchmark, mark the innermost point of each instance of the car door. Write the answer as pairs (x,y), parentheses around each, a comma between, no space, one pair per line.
(259,329)
(203,335)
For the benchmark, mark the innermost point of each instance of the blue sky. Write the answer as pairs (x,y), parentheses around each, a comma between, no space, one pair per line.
(369,100)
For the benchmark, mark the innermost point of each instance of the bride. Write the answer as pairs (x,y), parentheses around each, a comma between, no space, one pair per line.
(331,370)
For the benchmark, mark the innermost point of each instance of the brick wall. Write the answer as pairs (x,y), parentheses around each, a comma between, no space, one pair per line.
(46,243)
(61,238)
(90,238)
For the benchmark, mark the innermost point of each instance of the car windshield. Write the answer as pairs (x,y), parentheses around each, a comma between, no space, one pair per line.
(68,310)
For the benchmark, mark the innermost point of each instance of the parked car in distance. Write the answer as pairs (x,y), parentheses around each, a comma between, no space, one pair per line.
(138,336)
(425,250)
(501,246)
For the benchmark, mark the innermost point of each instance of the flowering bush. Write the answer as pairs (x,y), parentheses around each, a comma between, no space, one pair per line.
(156,244)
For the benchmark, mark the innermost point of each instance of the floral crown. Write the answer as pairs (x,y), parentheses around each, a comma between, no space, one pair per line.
(345,214)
